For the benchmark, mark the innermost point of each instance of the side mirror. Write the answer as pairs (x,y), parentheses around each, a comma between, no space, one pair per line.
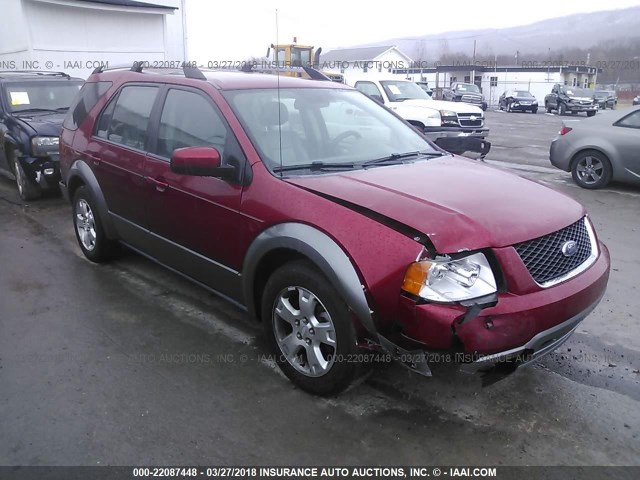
(200,162)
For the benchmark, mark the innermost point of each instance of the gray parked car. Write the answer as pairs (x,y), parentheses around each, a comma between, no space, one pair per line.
(600,149)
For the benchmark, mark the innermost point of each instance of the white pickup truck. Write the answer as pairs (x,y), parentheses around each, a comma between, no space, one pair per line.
(456,127)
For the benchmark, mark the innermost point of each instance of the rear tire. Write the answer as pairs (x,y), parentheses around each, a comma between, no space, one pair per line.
(591,169)
(548,108)
(309,329)
(26,188)
(88,227)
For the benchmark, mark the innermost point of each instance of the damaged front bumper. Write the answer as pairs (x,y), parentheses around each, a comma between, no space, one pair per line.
(540,345)
(512,330)
(458,140)
(42,171)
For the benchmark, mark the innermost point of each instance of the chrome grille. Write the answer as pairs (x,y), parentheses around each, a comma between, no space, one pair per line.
(466,121)
(544,258)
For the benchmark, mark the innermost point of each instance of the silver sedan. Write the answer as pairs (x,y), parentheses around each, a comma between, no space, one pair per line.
(600,149)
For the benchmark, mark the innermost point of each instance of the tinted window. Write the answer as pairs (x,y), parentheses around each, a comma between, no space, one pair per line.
(189,120)
(125,120)
(84,103)
(631,121)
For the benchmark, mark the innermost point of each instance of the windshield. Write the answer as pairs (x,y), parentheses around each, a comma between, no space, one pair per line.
(467,87)
(399,90)
(40,95)
(300,126)
(522,93)
(603,94)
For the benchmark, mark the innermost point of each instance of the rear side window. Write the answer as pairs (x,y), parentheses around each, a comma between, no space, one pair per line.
(189,120)
(126,118)
(84,102)
(630,121)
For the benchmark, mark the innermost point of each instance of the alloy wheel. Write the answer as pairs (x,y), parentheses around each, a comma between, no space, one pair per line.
(590,170)
(85,225)
(304,331)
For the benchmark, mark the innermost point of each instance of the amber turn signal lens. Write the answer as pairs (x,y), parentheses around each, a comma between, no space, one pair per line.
(416,277)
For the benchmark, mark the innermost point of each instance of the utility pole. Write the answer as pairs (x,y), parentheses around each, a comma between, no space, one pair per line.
(473,72)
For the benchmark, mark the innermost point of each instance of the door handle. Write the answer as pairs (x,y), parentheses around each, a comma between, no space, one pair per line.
(160,186)
(96,160)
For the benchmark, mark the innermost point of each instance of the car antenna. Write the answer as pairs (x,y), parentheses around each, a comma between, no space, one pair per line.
(278,88)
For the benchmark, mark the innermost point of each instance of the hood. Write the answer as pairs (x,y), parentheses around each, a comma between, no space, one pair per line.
(442,105)
(43,124)
(524,99)
(580,99)
(460,204)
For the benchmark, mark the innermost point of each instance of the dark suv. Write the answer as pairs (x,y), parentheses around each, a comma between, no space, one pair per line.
(32,107)
(329,219)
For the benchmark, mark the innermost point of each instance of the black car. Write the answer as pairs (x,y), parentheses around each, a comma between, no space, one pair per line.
(32,109)
(636,100)
(605,99)
(565,99)
(518,101)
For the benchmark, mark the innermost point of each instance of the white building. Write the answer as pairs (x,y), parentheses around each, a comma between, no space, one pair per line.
(75,36)
(370,62)
(494,80)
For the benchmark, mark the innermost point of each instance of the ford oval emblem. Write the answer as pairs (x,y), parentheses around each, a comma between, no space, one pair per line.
(569,248)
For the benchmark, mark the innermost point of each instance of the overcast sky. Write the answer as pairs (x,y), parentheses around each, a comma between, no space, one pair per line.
(226,30)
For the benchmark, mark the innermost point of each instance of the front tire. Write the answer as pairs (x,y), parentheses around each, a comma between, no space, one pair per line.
(26,189)
(591,170)
(534,110)
(88,227)
(590,114)
(309,329)
(562,109)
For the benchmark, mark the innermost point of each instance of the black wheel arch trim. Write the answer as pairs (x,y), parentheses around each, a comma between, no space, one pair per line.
(318,247)
(334,263)
(82,171)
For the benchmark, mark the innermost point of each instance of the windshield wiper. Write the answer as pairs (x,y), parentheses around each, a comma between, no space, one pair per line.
(30,110)
(315,166)
(399,157)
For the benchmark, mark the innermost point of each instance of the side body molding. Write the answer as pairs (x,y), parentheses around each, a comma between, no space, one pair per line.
(321,250)
(80,170)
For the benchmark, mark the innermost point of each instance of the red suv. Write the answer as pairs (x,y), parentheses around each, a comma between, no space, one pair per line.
(329,219)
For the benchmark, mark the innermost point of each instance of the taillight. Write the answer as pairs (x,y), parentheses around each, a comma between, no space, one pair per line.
(564,130)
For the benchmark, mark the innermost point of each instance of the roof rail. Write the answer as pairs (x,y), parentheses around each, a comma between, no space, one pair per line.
(189,71)
(37,72)
(313,73)
(193,72)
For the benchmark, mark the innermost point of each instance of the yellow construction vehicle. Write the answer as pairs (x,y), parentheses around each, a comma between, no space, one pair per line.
(295,55)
